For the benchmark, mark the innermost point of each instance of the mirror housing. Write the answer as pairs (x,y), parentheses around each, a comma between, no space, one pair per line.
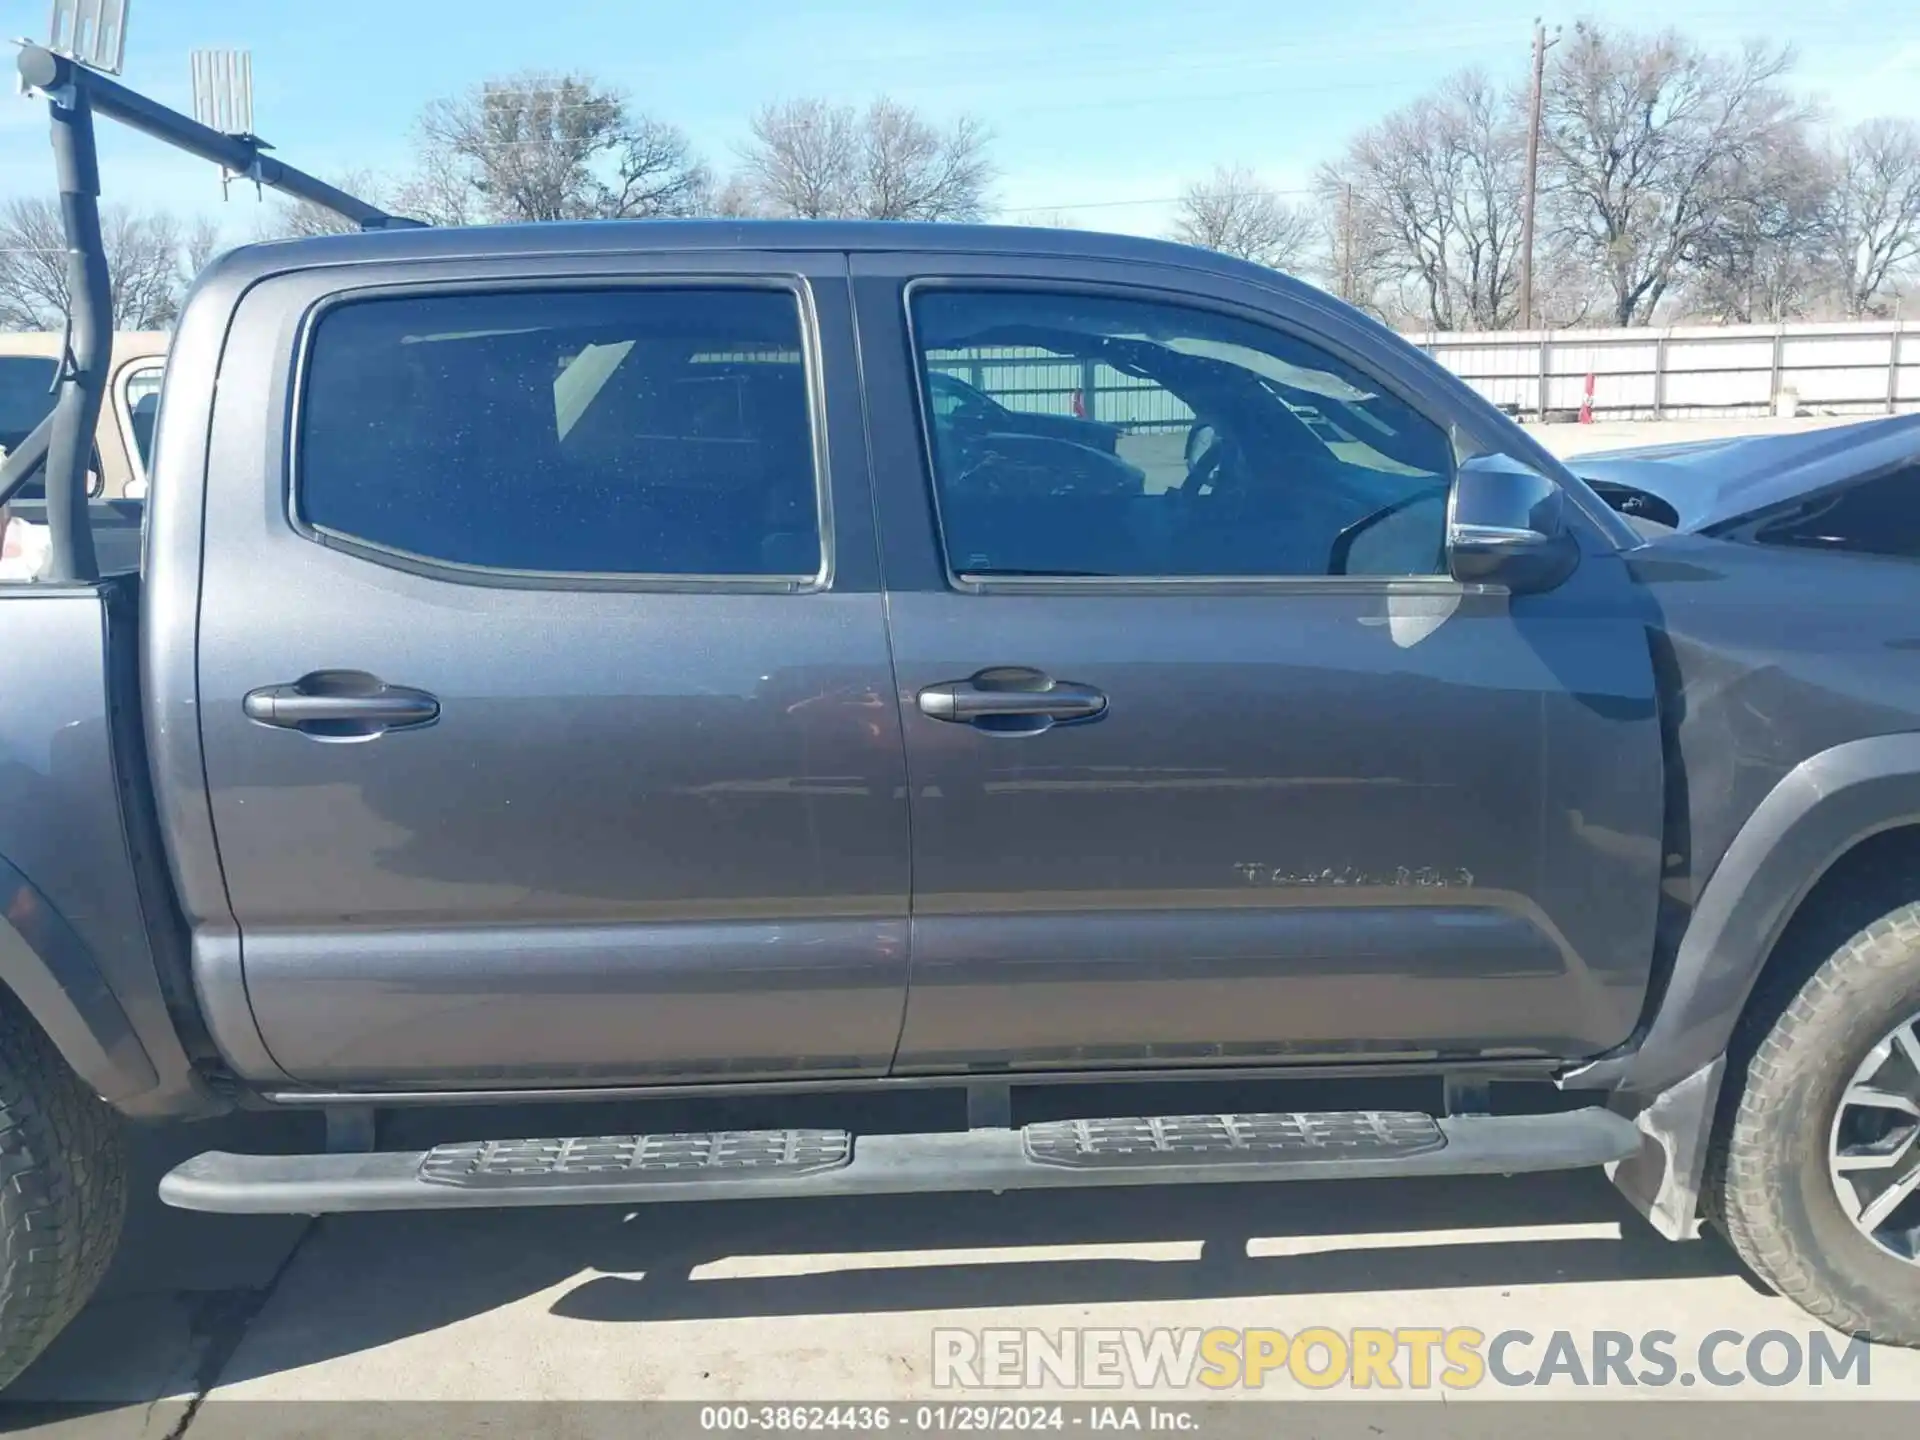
(1506,525)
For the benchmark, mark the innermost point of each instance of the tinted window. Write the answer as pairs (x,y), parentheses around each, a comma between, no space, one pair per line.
(1876,517)
(26,398)
(589,432)
(1130,438)
(143,406)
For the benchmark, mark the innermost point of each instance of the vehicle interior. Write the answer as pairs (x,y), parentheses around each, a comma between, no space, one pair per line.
(1272,478)
(601,450)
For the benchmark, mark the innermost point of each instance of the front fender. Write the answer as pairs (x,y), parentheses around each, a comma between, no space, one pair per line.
(1824,807)
(52,973)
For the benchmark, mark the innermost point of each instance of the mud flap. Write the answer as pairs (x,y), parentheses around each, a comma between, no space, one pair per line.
(1663,1181)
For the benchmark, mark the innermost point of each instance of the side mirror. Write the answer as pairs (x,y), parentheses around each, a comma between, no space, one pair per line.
(1506,525)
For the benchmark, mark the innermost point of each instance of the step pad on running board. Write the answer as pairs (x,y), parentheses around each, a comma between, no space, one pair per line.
(739,1164)
(664,1158)
(1231,1139)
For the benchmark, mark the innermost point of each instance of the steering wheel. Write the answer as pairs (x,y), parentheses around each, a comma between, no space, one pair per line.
(1342,549)
(1204,466)
(1201,437)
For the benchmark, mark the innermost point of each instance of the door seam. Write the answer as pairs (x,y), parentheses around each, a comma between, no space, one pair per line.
(894,698)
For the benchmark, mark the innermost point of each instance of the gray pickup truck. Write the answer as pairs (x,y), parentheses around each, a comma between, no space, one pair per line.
(575,663)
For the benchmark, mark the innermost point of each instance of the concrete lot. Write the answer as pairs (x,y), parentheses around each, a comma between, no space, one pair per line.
(839,1299)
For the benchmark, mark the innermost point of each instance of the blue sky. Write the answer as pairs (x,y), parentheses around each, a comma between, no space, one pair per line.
(1101,109)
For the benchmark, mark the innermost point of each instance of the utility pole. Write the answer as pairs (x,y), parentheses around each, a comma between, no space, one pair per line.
(1530,191)
(1346,243)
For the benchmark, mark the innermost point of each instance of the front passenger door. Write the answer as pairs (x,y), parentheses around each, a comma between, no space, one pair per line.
(1211,760)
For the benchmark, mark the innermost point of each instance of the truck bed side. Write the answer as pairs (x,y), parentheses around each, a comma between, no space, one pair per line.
(87,929)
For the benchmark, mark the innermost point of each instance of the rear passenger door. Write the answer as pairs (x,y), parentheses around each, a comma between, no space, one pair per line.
(544,679)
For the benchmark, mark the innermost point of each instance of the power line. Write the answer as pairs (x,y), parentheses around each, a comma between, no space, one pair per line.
(994,62)
(1122,204)
(1139,102)
(1091,205)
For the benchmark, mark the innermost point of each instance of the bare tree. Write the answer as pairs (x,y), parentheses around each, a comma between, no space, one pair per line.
(1648,141)
(655,173)
(541,146)
(1873,226)
(802,160)
(908,170)
(1566,291)
(1233,212)
(734,200)
(202,243)
(1358,263)
(813,160)
(1438,183)
(1485,129)
(439,191)
(291,219)
(147,260)
(1763,260)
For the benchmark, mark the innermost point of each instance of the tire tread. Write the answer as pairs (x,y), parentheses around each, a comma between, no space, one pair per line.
(63,1191)
(1745,1197)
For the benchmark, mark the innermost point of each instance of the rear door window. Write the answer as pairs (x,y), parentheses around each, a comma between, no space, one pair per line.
(638,432)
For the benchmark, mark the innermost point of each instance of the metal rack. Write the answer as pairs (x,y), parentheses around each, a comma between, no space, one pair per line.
(75,93)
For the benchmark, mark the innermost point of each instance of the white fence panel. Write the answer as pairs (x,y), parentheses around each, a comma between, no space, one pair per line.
(1862,367)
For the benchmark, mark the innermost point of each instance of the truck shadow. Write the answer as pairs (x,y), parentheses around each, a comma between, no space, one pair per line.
(1122,1246)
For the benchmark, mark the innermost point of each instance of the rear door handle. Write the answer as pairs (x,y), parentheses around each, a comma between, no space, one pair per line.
(340,705)
(1013,699)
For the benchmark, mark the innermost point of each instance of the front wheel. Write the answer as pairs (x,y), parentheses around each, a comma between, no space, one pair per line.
(63,1191)
(1815,1174)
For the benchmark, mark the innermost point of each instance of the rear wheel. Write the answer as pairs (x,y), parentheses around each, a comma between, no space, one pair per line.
(63,1191)
(1816,1169)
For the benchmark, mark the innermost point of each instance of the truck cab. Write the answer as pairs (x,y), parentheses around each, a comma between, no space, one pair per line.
(627,500)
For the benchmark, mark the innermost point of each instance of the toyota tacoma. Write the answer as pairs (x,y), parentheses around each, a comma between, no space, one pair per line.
(581,662)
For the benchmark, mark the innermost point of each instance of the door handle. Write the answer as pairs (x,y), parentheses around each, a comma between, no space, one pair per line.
(340,705)
(1017,700)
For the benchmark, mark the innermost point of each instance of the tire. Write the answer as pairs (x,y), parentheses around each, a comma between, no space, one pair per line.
(63,1191)
(1769,1188)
